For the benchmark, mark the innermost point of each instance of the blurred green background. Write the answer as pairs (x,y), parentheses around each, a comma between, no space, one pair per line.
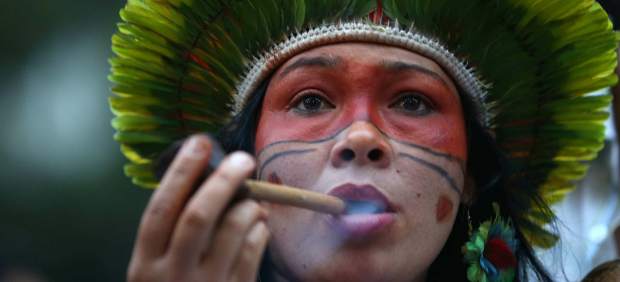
(68,212)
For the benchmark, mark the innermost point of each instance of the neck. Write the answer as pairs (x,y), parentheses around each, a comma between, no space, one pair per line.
(271,273)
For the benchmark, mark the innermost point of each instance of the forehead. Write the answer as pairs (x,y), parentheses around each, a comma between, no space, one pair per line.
(345,55)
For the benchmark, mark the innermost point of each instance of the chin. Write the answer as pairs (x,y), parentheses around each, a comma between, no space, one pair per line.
(307,246)
(350,264)
(351,271)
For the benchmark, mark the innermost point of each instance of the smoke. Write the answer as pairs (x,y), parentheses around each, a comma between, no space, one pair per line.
(364,207)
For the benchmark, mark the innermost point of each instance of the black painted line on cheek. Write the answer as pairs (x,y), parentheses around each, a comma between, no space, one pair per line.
(429,150)
(450,157)
(331,137)
(279,155)
(436,168)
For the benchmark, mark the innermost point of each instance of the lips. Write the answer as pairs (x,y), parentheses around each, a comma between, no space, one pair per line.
(362,199)
(368,210)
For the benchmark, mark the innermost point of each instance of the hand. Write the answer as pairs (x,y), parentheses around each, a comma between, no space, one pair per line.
(185,237)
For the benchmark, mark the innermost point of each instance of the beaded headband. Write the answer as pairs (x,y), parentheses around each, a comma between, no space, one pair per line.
(410,40)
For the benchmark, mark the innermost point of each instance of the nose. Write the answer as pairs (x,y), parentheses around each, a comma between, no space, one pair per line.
(362,144)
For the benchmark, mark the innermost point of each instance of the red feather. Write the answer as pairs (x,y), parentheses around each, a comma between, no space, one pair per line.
(377,16)
(499,253)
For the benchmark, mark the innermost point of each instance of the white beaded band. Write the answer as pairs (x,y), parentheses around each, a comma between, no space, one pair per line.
(263,66)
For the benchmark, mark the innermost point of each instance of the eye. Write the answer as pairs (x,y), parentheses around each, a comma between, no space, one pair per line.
(413,104)
(311,103)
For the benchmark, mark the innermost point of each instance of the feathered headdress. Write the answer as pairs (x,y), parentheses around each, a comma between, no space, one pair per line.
(185,66)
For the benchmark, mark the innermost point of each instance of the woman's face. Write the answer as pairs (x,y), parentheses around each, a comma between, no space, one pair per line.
(381,128)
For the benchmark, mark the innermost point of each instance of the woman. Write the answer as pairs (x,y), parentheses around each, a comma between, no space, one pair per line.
(391,120)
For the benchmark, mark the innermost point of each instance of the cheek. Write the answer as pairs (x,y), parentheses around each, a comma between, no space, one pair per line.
(430,193)
(443,208)
(442,132)
(281,126)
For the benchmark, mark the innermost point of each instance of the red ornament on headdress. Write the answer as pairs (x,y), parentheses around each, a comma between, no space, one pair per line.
(499,254)
(377,16)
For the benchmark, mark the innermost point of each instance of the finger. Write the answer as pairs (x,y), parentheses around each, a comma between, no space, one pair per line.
(231,234)
(248,261)
(194,228)
(168,200)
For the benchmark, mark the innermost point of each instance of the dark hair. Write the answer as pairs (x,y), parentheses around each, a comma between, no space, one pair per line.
(486,165)
(240,133)
(489,169)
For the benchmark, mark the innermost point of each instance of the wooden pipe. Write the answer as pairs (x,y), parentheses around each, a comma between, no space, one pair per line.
(259,190)
(286,195)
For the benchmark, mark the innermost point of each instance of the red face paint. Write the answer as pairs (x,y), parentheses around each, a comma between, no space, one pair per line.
(371,90)
(273,178)
(444,208)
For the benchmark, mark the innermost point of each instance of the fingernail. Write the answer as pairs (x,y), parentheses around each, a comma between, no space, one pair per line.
(195,148)
(258,231)
(240,160)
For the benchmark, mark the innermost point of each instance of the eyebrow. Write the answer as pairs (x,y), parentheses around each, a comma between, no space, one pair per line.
(319,61)
(397,66)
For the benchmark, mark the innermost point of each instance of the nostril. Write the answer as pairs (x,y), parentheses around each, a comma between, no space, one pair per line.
(347,155)
(375,155)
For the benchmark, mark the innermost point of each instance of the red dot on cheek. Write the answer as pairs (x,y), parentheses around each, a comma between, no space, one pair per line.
(444,208)
(273,178)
